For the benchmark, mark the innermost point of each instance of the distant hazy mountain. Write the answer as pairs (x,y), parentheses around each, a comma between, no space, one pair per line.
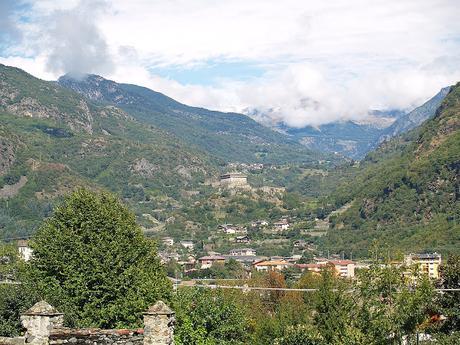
(228,136)
(414,118)
(355,139)
(348,138)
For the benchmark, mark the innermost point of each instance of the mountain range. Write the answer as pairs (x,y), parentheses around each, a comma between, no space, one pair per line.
(138,143)
(405,194)
(155,152)
(354,139)
(230,137)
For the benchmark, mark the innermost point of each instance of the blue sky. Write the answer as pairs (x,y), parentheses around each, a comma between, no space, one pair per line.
(211,72)
(302,62)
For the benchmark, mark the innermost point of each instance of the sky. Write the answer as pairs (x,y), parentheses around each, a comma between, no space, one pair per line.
(301,62)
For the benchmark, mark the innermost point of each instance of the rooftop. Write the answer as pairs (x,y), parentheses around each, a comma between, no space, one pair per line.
(212,257)
(272,263)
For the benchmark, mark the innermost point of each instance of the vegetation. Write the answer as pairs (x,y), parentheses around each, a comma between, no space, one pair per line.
(92,262)
(228,136)
(405,193)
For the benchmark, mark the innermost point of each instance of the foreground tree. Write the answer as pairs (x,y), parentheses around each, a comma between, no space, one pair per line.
(14,298)
(450,300)
(93,263)
(335,316)
(392,304)
(206,317)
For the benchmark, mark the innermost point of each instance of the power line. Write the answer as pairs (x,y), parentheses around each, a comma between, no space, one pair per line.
(259,288)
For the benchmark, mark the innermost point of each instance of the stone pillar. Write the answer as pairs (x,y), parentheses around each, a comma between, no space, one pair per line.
(39,321)
(159,322)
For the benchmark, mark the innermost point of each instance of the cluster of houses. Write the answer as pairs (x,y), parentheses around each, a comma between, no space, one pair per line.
(278,226)
(247,257)
(428,263)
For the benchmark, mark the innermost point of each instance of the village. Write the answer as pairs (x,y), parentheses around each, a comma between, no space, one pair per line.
(250,262)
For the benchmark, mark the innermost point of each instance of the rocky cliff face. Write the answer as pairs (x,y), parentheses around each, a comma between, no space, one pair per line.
(414,118)
(228,136)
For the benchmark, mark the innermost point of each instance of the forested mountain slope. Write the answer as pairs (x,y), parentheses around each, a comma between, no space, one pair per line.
(414,118)
(406,193)
(53,139)
(229,136)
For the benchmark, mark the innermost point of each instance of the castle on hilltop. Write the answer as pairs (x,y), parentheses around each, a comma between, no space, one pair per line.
(234,180)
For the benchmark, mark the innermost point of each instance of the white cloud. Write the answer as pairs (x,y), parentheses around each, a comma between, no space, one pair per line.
(324,61)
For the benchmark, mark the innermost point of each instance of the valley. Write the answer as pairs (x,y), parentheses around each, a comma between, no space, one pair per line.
(164,160)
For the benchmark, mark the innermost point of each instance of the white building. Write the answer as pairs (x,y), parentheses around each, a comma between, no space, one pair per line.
(230,229)
(344,268)
(24,250)
(258,223)
(281,225)
(428,263)
(272,265)
(208,261)
(243,252)
(168,241)
(187,244)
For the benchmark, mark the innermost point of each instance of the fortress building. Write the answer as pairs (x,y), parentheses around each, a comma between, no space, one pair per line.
(234,180)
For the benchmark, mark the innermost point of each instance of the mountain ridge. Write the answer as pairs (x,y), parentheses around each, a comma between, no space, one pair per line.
(406,193)
(229,136)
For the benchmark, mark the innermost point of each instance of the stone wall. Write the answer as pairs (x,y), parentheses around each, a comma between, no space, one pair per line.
(91,336)
(44,326)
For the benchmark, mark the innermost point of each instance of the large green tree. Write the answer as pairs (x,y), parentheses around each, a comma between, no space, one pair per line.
(93,263)
(206,317)
(14,297)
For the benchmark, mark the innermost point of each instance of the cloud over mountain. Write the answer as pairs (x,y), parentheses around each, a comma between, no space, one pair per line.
(299,62)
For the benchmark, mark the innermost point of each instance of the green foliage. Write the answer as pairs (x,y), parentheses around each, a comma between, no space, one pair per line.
(14,297)
(207,317)
(392,305)
(229,269)
(14,300)
(406,192)
(93,263)
(450,300)
(301,335)
(228,136)
(335,308)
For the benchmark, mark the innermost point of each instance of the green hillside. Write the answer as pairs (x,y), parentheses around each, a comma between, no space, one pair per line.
(231,137)
(406,193)
(53,139)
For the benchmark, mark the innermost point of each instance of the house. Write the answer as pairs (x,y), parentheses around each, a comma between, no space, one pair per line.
(344,268)
(242,239)
(300,244)
(167,257)
(188,244)
(208,261)
(231,229)
(246,260)
(271,265)
(282,225)
(188,264)
(315,268)
(428,263)
(168,241)
(259,223)
(24,250)
(243,252)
